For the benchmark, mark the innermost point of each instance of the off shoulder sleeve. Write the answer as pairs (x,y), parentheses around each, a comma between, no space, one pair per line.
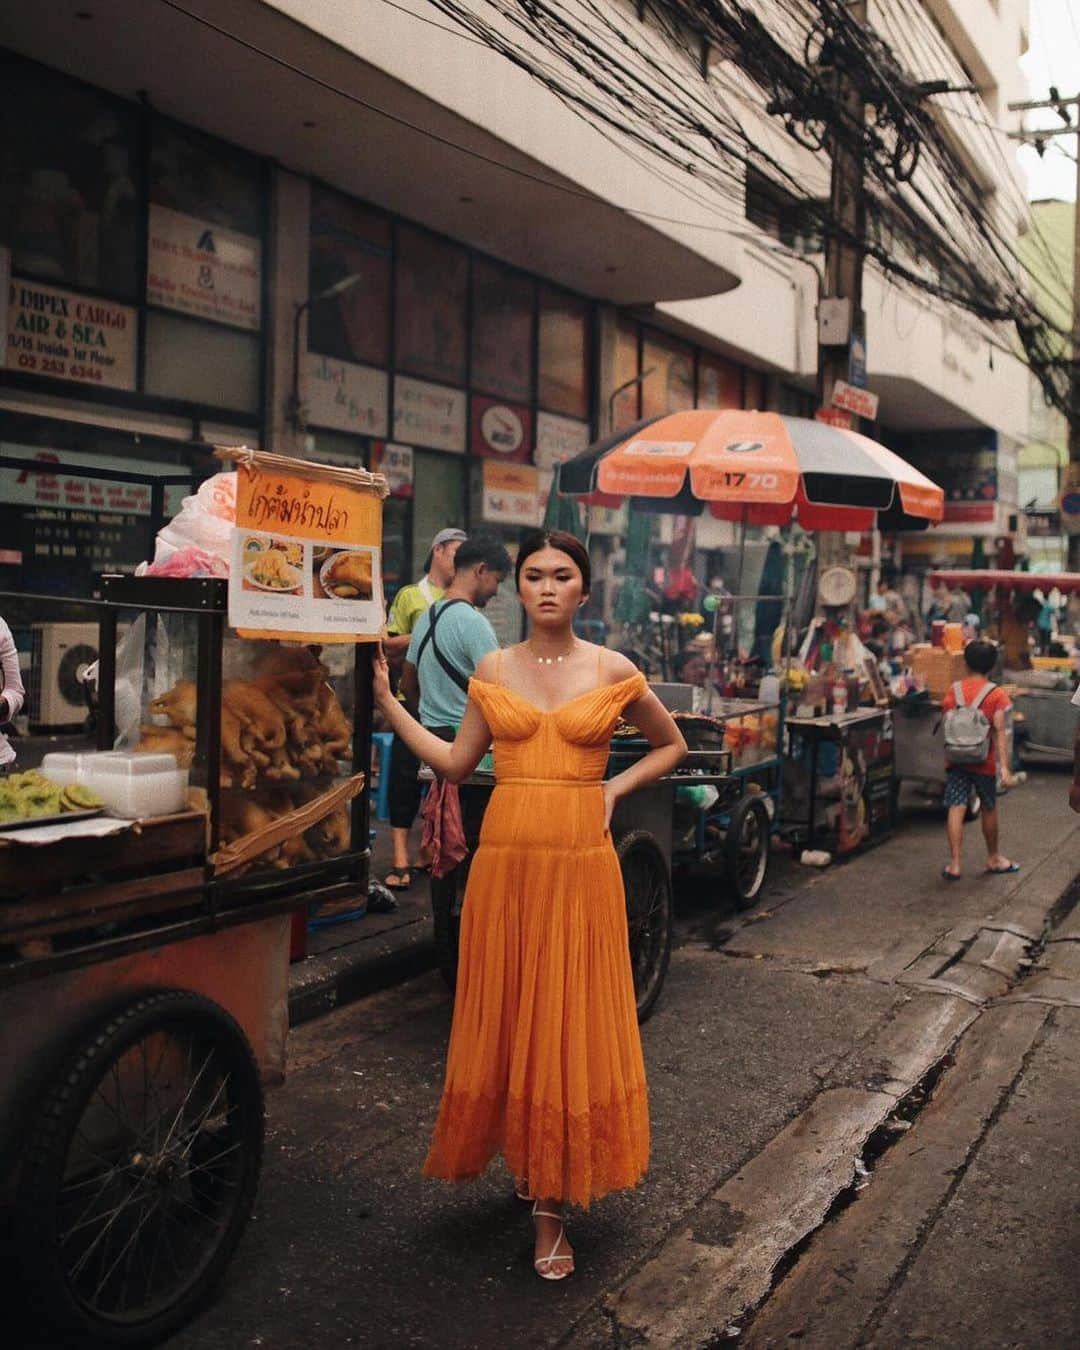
(632,688)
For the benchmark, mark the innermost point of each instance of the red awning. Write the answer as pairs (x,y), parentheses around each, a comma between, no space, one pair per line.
(1013,581)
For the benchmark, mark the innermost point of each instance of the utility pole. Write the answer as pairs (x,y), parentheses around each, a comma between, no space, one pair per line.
(1065,109)
(841,297)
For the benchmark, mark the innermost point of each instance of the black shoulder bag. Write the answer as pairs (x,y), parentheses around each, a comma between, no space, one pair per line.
(451,670)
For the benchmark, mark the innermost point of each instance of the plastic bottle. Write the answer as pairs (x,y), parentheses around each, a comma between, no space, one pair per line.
(839,698)
(769,690)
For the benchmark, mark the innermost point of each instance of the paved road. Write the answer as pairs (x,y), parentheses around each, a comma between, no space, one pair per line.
(864,1017)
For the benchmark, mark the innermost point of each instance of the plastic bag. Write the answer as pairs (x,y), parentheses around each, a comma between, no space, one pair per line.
(204,522)
(189,562)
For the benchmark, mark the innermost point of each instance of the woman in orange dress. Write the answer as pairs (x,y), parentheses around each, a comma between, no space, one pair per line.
(545,1061)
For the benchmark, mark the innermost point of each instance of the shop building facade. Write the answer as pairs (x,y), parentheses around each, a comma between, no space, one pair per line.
(183,182)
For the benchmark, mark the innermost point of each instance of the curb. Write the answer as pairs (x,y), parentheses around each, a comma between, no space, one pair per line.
(323,983)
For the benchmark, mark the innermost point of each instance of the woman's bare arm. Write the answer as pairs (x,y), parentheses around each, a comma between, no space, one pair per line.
(659,728)
(452,760)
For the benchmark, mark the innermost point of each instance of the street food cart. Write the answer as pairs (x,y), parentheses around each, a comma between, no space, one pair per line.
(144,955)
(665,826)
(1042,696)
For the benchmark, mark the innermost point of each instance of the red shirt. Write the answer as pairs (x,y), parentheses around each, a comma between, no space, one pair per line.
(996,701)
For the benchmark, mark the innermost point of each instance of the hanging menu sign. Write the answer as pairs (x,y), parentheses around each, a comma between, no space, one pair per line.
(306,556)
(511,493)
(200,268)
(346,396)
(65,336)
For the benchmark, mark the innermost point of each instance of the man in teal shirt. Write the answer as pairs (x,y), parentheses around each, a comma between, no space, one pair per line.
(407,607)
(452,635)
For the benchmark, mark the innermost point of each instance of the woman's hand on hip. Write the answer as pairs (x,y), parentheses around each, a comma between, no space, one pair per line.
(611,797)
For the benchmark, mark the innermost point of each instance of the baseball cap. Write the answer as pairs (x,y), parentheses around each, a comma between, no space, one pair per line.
(447,537)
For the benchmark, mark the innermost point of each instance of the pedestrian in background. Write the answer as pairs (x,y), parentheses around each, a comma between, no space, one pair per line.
(407,607)
(12,692)
(976,694)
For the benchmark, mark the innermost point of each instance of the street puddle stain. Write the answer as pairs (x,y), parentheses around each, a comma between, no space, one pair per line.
(717,1224)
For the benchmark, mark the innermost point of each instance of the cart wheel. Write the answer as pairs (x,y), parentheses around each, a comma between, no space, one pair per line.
(649,915)
(447,898)
(746,849)
(141,1171)
(974,807)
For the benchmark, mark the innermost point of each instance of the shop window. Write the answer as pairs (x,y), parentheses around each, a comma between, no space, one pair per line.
(200,177)
(348,239)
(754,390)
(626,404)
(720,383)
(69,192)
(430,311)
(502,331)
(438,500)
(564,353)
(202,363)
(337,447)
(670,386)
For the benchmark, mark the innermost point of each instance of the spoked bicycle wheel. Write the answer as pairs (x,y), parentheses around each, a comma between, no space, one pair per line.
(649,915)
(142,1171)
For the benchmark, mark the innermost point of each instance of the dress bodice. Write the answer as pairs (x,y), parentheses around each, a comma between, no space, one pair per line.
(570,742)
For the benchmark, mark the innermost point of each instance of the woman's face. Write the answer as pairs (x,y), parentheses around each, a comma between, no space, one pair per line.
(551,587)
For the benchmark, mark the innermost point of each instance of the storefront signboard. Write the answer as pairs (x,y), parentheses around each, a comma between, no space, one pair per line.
(395,463)
(511,493)
(306,556)
(200,268)
(346,396)
(431,415)
(835,417)
(503,430)
(558,439)
(65,336)
(53,486)
(861,402)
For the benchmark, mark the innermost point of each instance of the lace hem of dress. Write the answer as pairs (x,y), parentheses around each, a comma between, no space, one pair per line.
(573,1158)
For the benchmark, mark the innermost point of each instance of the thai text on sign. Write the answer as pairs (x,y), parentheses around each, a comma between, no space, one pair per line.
(861,402)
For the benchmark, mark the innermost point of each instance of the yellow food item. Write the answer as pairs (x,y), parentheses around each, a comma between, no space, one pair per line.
(349,576)
(272,569)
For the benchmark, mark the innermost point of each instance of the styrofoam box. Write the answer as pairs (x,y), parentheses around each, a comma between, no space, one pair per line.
(65,767)
(136,786)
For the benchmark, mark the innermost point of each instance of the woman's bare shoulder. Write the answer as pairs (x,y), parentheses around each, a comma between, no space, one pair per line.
(487,667)
(616,667)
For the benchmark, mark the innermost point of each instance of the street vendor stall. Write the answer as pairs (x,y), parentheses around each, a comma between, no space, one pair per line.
(764,469)
(1041,688)
(144,925)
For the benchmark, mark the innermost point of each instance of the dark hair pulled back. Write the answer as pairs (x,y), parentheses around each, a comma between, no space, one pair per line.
(565,542)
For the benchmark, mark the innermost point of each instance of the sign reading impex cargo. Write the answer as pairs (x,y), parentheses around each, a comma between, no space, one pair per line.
(65,336)
(861,402)
(200,268)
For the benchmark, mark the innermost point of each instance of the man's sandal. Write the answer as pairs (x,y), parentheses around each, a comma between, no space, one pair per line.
(552,1256)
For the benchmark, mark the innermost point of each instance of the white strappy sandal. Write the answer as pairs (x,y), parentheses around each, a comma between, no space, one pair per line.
(553,1255)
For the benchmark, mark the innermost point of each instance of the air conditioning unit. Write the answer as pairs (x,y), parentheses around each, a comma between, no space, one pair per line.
(59,654)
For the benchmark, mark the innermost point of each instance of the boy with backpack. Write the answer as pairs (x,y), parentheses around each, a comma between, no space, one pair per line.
(975,744)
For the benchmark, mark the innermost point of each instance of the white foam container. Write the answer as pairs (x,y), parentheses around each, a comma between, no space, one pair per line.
(65,767)
(136,786)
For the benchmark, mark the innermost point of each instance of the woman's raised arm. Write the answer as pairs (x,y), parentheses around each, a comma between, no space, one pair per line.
(453,760)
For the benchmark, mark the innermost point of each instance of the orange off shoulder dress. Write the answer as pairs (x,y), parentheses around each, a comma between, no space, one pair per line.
(545,1061)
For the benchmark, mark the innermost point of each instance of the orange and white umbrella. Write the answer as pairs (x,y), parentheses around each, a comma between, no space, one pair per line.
(759,468)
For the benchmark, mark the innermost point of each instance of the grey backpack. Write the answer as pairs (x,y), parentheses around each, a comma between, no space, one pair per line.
(967,728)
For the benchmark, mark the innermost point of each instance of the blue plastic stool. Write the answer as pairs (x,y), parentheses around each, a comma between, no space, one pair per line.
(385,741)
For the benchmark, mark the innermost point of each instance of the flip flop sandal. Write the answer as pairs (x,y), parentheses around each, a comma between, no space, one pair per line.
(950,876)
(1003,871)
(399,880)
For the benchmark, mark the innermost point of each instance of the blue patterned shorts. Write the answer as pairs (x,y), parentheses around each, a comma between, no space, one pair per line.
(958,785)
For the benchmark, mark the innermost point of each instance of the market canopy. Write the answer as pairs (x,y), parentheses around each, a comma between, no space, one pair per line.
(758,468)
(1014,581)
